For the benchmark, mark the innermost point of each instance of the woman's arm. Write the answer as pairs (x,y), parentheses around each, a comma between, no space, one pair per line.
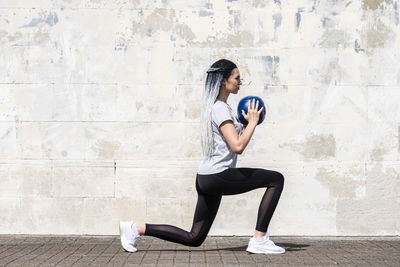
(237,143)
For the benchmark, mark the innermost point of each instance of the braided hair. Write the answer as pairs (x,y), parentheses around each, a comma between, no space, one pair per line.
(215,74)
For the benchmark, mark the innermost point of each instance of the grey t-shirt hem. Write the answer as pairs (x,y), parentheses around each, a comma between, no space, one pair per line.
(213,171)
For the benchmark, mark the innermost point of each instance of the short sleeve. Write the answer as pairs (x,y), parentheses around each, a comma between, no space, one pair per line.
(221,113)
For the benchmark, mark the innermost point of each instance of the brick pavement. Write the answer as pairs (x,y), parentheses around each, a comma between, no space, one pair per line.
(26,250)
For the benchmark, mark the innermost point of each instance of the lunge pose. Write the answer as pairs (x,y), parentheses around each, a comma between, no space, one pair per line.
(223,138)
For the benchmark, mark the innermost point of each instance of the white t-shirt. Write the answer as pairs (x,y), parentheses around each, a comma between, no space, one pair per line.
(222,157)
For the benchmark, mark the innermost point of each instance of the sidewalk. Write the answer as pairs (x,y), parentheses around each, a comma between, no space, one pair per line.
(26,250)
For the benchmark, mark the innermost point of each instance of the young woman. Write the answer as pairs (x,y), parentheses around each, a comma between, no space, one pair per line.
(222,139)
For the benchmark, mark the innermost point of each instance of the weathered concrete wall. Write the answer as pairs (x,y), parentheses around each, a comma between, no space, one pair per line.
(100,104)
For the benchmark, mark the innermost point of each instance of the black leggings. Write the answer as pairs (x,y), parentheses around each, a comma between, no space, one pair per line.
(210,189)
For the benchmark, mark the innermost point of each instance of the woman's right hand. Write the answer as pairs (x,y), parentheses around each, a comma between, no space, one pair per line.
(252,114)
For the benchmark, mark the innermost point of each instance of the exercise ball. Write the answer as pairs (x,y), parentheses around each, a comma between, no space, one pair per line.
(243,106)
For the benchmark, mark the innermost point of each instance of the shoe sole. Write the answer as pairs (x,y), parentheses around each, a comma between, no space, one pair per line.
(122,240)
(262,251)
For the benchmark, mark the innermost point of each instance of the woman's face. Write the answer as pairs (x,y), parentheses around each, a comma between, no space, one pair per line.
(232,84)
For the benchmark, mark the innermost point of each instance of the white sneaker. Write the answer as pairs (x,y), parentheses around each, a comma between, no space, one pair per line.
(129,235)
(265,246)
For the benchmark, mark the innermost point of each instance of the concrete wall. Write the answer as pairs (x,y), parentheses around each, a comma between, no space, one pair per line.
(100,104)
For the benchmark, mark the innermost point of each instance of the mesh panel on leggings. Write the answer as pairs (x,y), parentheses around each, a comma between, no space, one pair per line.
(267,208)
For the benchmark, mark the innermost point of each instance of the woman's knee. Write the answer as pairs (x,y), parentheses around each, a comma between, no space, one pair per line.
(280,179)
(196,241)
(272,178)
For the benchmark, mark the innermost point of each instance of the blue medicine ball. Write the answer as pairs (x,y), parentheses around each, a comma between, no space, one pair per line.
(243,105)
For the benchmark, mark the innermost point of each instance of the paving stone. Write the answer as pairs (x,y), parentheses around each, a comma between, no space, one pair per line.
(217,251)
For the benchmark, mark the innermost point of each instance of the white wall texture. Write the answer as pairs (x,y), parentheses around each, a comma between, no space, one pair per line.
(100,103)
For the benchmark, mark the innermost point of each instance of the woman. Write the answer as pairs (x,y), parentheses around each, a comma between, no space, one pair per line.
(222,140)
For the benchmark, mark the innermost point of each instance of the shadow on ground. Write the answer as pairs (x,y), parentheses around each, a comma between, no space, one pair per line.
(287,246)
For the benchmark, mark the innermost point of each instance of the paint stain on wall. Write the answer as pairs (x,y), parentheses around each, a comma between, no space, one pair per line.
(205,13)
(377,34)
(246,70)
(10,37)
(298,18)
(191,154)
(139,105)
(148,33)
(277,20)
(192,112)
(42,35)
(208,5)
(326,22)
(271,65)
(50,19)
(238,39)
(166,20)
(340,185)
(47,148)
(121,44)
(105,149)
(327,71)
(315,146)
(236,20)
(259,3)
(333,38)
(372,4)
(163,19)
(184,32)
(160,19)
(357,47)
(378,152)
(5,134)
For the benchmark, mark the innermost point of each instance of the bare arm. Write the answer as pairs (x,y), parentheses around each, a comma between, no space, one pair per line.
(239,143)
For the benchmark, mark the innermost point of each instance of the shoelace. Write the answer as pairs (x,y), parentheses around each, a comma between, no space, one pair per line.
(132,242)
(271,242)
(136,237)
